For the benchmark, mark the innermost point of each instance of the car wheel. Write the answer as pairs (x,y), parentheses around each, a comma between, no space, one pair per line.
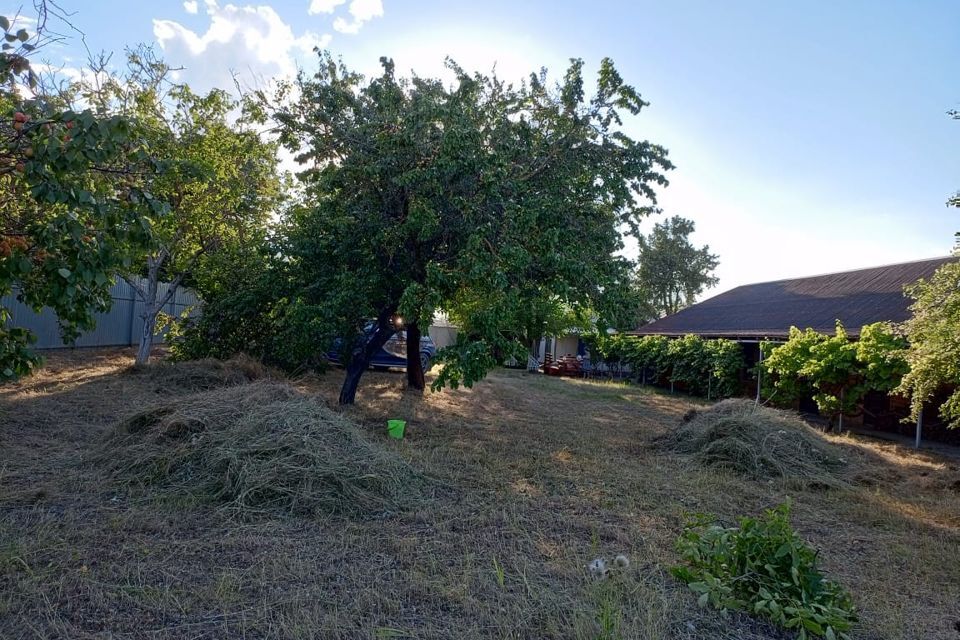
(425,362)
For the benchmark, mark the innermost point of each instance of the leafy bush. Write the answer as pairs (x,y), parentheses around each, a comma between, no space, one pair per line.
(726,362)
(704,367)
(689,364)
(246,309)
(648,355)
(934,353)
(765,568)
(16,359)
(837,371)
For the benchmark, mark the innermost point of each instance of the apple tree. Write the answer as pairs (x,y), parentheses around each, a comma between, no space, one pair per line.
(477,197)
(75,190)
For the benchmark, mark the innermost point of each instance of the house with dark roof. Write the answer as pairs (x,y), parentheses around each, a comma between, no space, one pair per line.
(767,310)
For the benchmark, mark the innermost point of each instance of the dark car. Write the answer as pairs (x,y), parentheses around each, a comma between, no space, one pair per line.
(394,353)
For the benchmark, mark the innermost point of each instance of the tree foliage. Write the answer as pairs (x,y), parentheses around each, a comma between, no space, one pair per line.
(671,271)
(75,187)
(709,368)
(221,180)
(934,333)
(480,198)
(837,371)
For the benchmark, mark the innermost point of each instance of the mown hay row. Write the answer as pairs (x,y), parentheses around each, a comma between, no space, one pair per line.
(757,442)
(175,378)
(260,447)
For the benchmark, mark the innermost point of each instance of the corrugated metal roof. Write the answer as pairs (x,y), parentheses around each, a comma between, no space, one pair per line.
(769,309)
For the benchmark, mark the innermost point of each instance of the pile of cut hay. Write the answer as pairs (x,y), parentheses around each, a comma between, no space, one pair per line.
(756,442)
(174,378)
(257,448)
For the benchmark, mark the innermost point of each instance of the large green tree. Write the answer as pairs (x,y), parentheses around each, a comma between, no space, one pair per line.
(934,332)
(75,188)
(220,182)
(671,271)
(477,197)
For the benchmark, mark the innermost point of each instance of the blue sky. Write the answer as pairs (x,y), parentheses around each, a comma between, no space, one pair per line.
(808,137)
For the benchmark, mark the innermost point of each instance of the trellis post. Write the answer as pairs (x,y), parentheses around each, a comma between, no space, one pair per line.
(759,370)
(840,420)
(919,428)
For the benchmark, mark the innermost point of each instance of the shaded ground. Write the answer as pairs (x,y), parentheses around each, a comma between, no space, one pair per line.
(537,475)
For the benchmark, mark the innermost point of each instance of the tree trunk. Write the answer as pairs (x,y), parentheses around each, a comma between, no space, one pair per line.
(415,379)
(360,358)
(151,305)
(146,334)
(150,310)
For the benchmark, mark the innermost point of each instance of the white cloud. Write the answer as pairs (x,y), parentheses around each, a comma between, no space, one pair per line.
(251,41)
(56,77)
(324,6)
(364,10)
(361,10)
(191,6)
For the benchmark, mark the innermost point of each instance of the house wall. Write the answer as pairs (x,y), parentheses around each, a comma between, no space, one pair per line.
(443,336)
(558,347)
(565,345)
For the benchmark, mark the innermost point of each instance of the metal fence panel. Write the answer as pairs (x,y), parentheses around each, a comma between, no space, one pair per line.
(120,326)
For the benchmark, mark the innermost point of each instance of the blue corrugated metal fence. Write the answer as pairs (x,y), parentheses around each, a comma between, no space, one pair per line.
(118,326)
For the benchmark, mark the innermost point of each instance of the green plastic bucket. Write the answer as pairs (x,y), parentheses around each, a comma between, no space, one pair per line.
(395,428)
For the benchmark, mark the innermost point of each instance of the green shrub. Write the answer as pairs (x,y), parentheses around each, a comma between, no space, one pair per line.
(647,357)
(16,358)
(726,362)
(765,568)
(836,371)
(704,367)
(246,310)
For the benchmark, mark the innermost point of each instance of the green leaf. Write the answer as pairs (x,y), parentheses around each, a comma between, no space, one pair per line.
(811,625)
(64,272)
(699,587)
(4,23)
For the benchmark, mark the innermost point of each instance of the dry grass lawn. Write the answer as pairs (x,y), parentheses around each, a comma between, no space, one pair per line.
(533,477)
